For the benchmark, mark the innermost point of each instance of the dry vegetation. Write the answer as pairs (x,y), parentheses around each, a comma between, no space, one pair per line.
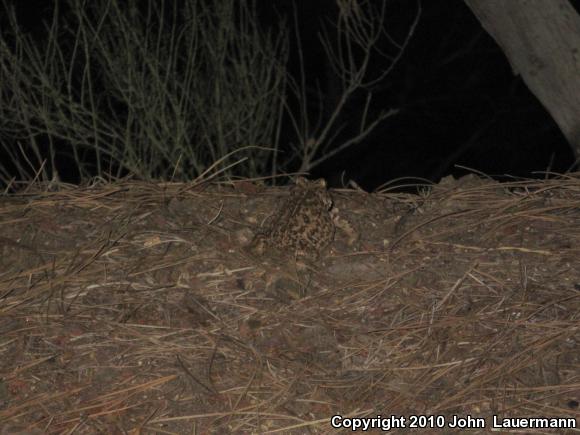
(134,308)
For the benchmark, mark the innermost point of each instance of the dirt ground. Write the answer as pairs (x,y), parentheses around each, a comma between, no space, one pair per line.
(135,308)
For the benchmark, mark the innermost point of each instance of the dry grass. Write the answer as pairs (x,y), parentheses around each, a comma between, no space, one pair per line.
(133,308)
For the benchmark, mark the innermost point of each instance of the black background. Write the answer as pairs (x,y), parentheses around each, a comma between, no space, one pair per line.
(459,102)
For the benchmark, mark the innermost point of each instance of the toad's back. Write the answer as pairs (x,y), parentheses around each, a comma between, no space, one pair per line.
(303,224)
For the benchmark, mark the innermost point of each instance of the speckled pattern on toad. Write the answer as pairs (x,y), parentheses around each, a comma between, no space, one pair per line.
(303,225)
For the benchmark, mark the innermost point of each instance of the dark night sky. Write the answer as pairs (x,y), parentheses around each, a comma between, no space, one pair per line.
(459,102)
(460,105)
